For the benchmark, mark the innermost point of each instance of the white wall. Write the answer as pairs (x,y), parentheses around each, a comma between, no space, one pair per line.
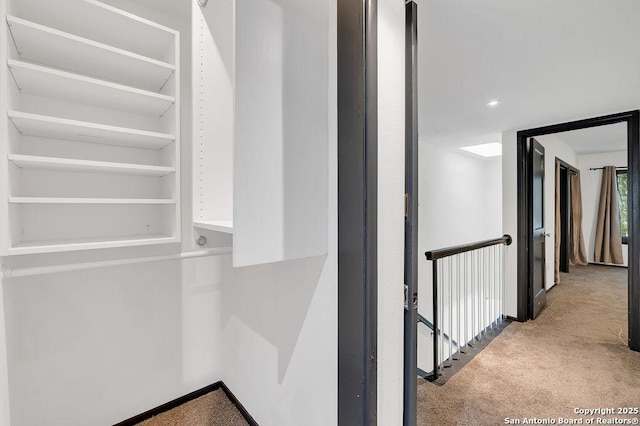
(591,181)
(279,326)
(5,412)
(391,34)
(553,147)
(510,220)
(460,201)
(4,379)
(97,347)
(493,196)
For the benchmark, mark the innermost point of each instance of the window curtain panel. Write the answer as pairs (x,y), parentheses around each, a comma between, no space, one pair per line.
(577,250)
(558,230)
(608,244)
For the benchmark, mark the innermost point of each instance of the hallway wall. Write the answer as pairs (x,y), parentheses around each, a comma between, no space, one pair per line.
(5,409)
(510,220)
(391,44)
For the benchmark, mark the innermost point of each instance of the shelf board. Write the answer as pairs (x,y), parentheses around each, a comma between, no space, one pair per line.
(60,200)
(47,46)
(225,226)
(72,165)
(82,131)
(132,32)
(32,247)
(52,83)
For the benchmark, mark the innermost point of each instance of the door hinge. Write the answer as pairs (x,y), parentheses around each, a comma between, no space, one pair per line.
(414,299)
(406,297)
(406,205)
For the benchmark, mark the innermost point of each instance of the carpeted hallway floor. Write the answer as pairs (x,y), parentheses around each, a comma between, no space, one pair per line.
(570,356)
(212,409)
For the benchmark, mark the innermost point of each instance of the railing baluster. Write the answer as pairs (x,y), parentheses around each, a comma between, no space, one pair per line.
(474,304)
(450,310)
(487,314)
(441,286)
(487,271)
(434,301)
(493,287)
(458,312)
(465,327)
(498,286)
(503,250)
(487,278)
(490,289)
(484,282)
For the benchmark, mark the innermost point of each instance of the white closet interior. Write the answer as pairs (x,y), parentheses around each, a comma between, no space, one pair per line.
(261,130)
(91,152)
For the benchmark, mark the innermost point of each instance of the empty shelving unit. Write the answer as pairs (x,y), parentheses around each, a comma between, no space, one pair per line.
(90,134)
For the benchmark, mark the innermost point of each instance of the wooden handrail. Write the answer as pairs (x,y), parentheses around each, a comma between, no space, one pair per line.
(451,251)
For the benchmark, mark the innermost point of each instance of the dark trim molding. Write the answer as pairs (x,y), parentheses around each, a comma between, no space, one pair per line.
(410,415)
(632,118)
(566,170)
(238,405)
(357,212)
(186,398)
(607,264)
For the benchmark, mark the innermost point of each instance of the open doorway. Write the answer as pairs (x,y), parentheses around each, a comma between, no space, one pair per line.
(568,220)
(533,271)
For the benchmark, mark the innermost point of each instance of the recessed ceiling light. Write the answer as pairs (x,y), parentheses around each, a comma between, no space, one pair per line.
(493,103)
(485,150)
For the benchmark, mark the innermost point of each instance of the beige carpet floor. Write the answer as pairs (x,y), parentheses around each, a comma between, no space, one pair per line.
(570,356)
(212,409)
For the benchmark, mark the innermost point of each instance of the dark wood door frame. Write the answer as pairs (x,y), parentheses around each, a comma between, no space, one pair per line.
(566,170)
(357,42)
(525,194)
(538,290)
(410,405)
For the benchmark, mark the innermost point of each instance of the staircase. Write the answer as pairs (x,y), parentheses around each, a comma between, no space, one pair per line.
(466,309)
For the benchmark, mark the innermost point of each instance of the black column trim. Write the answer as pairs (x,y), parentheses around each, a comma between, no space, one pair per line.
(357,212)
(633,243)
(410,412)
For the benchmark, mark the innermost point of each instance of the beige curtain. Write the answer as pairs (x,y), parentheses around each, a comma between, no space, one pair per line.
(608,240)
(558,231)
(578,252)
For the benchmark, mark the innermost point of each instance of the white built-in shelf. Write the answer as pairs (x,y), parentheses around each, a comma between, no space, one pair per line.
(87,166)
(76,71)
(93,19)
(82,131)
(225,226)
(51,47)
(51,246)
(49,82)
(57,200)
